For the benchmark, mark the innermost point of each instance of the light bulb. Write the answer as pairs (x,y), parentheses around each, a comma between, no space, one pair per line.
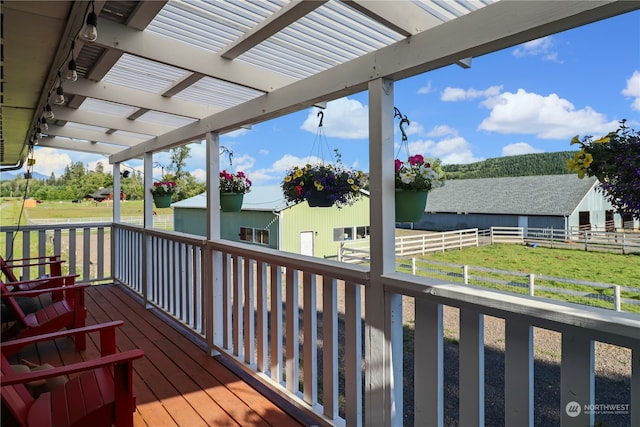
(90,32)
(59,99)
(72,73)
(48,113)
(44,125)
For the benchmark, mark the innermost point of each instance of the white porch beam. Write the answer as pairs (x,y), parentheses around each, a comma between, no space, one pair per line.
(144,13)
(486,30)
(284,17)
(138,98)
(155,47)
(79,145)
(92,135)
(402,16)
(108,121)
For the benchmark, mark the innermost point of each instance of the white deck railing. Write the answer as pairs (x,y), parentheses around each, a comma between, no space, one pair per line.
(299,324)
(251,322)
(86,248)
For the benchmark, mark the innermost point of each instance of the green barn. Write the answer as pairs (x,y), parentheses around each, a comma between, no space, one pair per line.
(266,219)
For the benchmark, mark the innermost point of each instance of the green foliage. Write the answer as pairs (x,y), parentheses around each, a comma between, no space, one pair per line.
(77,182)
(522,165)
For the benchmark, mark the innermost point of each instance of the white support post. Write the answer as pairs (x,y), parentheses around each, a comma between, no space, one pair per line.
(518,373)
(262,324)
(310,337)
(148,223)
(465,274)
(353,355)
(532,285)
(616,298)
(428,364)
(214,286)
(330,350)
(471,368)
(382,409)
(413,266)
(275,345)
(292,354)
(577,380)
(116,192)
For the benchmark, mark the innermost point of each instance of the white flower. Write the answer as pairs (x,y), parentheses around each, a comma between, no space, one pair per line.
(407,177)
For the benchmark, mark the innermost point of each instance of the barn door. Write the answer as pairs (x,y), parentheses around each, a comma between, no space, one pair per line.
(306,243)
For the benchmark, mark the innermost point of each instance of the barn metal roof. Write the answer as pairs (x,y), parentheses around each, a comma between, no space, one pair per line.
(164,73)
(555,195)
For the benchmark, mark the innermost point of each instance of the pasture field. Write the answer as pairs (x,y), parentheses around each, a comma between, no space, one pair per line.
(623,270)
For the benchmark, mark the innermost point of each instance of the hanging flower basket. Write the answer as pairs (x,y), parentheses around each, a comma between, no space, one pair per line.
(319,200)
(410,205)
(162,192)
(323,185)
(414,179)
(231,202)
(162,201)
(233,186)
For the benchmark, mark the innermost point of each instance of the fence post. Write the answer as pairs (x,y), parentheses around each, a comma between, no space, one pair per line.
(340,249)
(616,297)
(491,235)
(413,266)
(531,284)
(624,252)
(465,274)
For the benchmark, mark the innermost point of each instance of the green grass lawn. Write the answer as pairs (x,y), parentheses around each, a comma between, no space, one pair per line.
(573,264)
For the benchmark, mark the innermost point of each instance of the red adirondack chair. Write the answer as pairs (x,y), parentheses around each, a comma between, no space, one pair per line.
(69,312)
(52,263)
(101,395)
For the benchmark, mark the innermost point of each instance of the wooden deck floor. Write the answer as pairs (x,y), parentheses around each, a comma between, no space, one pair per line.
(176,383)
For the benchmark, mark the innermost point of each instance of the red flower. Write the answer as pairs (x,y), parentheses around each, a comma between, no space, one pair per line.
(398,165)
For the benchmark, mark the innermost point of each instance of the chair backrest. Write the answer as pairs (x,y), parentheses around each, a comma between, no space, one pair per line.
(53,261)
(16,397)
(12,304)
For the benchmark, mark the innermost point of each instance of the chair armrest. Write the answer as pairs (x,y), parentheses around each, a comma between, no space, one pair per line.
(113,359)
(15,263)
(41,279)
(36,292)
(35,258)
(9,348)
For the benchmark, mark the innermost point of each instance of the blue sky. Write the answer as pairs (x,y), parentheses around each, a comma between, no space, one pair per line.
(526,99)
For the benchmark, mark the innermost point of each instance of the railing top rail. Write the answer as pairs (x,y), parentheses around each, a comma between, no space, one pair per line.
(348,272)
(601,324)
(13,228)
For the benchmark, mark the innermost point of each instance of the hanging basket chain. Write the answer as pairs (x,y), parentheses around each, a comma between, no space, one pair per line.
(320,147)
(403,120)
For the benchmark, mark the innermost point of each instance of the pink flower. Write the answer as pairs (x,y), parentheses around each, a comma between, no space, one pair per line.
(398,165)
(417,159)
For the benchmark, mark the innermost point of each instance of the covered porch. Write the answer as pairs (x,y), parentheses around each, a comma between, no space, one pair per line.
(323,375)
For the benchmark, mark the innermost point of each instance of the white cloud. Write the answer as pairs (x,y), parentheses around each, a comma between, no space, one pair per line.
(343,118)
(519,148)
(452,94)
(442,130)
(633,90)
(50,160)
(199,174)
(543,47)
(454,149)
(547,117)
(423,90)
(288,161)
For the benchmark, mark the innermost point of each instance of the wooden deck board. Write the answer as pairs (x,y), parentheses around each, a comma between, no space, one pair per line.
(176,383)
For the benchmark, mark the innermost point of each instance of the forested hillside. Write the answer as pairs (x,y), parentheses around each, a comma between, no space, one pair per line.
(522,165)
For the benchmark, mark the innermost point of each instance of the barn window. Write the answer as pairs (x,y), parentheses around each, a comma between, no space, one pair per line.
(254,235)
